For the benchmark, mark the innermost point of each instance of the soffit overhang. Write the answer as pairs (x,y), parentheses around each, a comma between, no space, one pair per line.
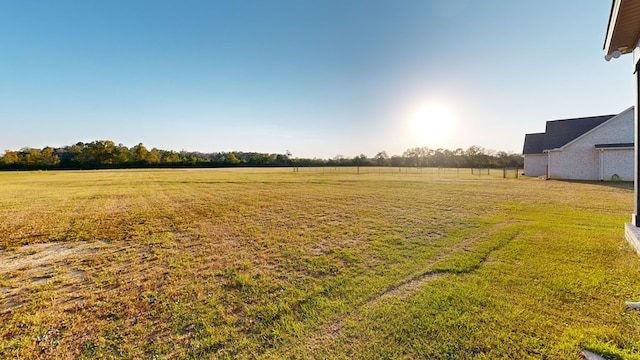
(623,30)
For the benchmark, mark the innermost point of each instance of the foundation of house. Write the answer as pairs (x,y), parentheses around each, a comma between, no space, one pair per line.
(632,234)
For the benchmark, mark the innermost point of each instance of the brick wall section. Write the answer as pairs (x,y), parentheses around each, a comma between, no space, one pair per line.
(535,164)
(618,162)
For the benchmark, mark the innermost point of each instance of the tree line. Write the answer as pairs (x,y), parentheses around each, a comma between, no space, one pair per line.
(105,154)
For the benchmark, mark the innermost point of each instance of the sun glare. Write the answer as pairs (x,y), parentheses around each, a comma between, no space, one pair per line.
(432,123)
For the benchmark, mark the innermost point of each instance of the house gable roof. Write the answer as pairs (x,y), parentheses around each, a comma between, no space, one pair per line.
(533,144)
(630,109)
(560,132)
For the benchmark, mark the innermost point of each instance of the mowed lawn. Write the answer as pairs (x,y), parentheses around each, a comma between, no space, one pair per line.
(321,263)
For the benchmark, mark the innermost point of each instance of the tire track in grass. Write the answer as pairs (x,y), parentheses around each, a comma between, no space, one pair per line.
(412,283)
(332,331)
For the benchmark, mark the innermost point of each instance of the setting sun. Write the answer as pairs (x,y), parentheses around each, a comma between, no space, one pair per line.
(432,122)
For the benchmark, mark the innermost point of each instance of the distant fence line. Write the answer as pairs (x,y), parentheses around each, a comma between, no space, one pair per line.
(507,172)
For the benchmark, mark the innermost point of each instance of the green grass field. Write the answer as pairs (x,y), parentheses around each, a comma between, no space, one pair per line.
(322,263)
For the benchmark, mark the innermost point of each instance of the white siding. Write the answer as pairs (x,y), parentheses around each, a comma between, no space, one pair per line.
(581,163)
(580,160)
(535,164)
(619,162)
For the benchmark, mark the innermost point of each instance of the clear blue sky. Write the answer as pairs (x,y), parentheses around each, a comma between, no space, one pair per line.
(318,78)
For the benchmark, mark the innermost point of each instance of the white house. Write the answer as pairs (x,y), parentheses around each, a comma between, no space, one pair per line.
(592,148)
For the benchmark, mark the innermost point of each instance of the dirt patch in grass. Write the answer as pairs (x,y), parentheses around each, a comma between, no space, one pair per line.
(38,256)
(43,265)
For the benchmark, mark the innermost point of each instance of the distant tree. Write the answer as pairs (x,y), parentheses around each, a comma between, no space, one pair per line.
(170,157)
(459,156)
(261,159)
(284,159)
(105,154)
(231,159)
(339,160)
(154,157)
(139,153)
(397,161)
(32,157)
(381,158)
(477,156)
(10,158)
(419,156)
(121,155)
(49,157)
(361,160)
(78,154)
(505,159)
(191,159)
(102,153)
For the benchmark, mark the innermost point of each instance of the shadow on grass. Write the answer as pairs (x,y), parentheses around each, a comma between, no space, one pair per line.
(625,185)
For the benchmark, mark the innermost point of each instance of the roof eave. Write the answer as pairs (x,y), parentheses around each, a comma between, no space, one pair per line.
(613,16)
(623,29)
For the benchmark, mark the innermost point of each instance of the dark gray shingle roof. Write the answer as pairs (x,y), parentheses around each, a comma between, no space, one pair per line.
(533,143)
(560,132)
